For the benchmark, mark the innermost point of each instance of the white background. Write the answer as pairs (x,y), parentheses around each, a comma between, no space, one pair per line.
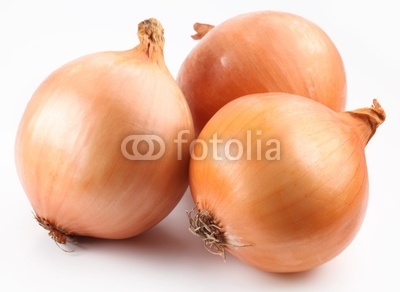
(39,36)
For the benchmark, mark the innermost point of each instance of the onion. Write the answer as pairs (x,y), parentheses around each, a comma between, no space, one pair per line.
(280,181)
(95,148)
(265,51)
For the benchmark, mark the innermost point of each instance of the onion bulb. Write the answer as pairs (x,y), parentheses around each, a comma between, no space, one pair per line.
(95,148)
(257,52)
(280,181)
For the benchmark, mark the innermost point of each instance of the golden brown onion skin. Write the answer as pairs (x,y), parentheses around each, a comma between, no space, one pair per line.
(293,213)
(68,147)
(265,51)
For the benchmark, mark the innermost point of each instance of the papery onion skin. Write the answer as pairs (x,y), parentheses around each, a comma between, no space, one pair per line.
(265,51)
(287,213)
(68,146)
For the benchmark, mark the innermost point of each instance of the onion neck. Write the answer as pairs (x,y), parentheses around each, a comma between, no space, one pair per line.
(367,120)
(151,37)
(201,30)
